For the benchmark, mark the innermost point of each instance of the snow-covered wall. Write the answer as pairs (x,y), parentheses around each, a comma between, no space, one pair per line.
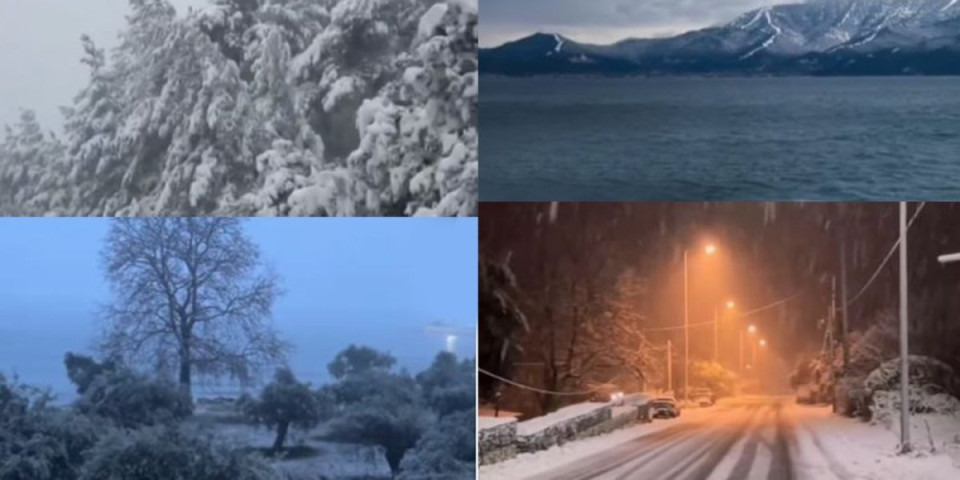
(502,439)
(496,440)
(568,423)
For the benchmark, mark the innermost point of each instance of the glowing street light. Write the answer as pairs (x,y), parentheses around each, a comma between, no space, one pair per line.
(731,304)
(752,329)
(763,343)
(709,249)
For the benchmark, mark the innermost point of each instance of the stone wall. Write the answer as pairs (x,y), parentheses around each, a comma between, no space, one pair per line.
(562,431)
(504,441)
(497,443)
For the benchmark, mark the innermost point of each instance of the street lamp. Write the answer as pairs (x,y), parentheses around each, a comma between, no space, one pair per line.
(949,258)
(716,329)
(710,249)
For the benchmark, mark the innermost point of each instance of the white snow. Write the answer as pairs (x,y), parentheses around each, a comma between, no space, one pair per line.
(431,20)
(566,413)
(821,445)
(490,422)
(947,6)
(559,40)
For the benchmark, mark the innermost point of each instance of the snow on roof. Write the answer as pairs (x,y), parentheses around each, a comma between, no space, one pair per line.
(566,413)
(490,422)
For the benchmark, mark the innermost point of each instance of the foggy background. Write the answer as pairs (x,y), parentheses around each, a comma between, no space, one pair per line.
(377,283)
(41,52)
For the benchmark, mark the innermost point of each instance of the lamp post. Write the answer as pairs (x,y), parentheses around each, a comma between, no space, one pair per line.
(710,249)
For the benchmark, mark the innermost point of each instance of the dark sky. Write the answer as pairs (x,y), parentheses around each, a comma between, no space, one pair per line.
(605,21)
(374,282)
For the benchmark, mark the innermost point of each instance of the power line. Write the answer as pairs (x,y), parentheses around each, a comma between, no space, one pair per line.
(751,312)
(532,389)
(886,259)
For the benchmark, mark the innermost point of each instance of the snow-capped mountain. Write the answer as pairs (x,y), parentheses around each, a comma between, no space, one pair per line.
(770,39)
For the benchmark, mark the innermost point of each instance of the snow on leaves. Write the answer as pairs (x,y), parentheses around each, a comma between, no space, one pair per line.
(278,107)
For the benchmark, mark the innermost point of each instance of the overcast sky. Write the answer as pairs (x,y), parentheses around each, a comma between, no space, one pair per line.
(375,282)
(40,65)
(605,21)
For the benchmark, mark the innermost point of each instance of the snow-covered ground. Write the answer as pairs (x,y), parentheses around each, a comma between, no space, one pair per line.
(746,437)
(329,460)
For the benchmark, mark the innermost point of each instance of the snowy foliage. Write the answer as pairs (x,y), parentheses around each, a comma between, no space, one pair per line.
(377,406)
(281,107)
(168,452)
(128,399)
(446,450)
(285,402)
(37,441)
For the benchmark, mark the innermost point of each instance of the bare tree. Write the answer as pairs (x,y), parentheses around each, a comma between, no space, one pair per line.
(190,292)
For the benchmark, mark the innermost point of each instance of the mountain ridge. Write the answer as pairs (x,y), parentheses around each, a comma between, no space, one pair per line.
(884,37)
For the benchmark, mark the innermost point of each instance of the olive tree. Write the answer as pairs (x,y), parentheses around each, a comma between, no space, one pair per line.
(189,294)
(285,402)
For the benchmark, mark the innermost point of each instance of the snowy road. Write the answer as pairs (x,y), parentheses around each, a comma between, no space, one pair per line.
(740,439)
(745,438)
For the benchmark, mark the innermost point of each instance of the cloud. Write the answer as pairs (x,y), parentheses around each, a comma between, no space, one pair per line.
(605,21)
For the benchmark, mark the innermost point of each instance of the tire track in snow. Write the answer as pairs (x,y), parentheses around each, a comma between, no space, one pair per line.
(782,467)
(742,468)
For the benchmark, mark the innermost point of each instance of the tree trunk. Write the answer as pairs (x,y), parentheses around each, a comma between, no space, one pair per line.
(282,428)
(185,381)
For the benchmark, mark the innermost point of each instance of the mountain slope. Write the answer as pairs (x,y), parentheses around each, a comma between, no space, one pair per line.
(819,37)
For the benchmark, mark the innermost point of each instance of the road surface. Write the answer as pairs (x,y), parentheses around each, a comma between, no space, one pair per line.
(744,438)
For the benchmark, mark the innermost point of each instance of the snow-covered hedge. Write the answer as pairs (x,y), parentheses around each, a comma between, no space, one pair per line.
(932,388)
(496,439)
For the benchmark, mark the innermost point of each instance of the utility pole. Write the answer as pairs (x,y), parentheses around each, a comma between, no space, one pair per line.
(846,308)
(669,366)
(716,335)
(686,331)
(741,353)
(831,328)
(904,359)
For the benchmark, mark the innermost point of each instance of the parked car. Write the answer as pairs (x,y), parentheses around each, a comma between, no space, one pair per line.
(703,396)
(664,407)
(607,393)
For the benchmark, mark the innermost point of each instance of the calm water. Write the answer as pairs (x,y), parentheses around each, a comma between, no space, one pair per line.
(723,139)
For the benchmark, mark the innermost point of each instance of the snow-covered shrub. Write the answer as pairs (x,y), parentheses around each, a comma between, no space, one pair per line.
(285,402)
(924,372)
(931,390)
(38,441)
(169,452)
(448,386)
(123,396)
(446,450)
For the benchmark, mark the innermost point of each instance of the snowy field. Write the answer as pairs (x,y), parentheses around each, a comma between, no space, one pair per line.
(324,459)
(746,438)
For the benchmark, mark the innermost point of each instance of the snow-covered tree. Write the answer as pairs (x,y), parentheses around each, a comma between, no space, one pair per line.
(418,139)
(28,157)
(266,107)
(190,292)
(286,402)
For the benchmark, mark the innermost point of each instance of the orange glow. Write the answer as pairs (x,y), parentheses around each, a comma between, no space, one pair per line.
(752,329)
(731,304)
(710,249)
(763,343)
